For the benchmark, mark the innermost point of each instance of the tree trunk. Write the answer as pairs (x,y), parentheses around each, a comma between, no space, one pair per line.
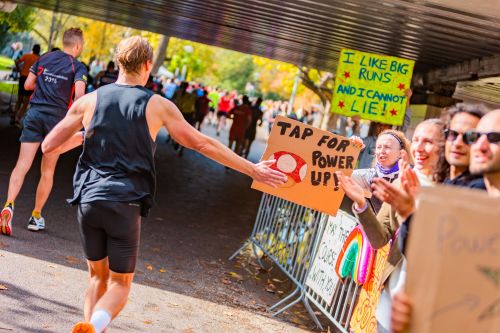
(160,54)
(51,34)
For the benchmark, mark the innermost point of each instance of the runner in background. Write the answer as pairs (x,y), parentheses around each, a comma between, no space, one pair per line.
(55,77)
(23,95)
(251,132)
(202,109)
(107,76)
(242,118)
(223,108)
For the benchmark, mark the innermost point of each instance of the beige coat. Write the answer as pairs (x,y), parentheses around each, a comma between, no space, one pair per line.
(380,229)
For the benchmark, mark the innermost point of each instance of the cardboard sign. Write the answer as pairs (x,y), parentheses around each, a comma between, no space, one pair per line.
(372,86)
(322,277)
(309,157)
(454,262)
(363,318)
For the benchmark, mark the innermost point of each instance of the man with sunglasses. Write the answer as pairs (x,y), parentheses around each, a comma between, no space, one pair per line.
(485,151)
(464,117)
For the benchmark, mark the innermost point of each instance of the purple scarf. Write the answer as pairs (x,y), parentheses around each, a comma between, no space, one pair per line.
(389,174)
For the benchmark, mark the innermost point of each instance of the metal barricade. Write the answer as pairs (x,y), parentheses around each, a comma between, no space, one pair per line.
(345,297)
(340,311)
(288,234)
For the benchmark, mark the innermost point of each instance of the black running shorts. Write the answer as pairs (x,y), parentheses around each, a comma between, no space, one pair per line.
(21,91)
(37,124)
(111,229)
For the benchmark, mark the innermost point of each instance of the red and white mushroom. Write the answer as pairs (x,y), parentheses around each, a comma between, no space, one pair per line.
(291,165)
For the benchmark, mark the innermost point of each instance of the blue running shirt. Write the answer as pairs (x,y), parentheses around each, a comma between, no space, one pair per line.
(56,74)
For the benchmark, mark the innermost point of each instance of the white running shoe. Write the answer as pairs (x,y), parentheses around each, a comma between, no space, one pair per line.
(35,224)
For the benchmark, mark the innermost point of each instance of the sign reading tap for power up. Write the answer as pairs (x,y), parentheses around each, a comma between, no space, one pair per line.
(310,158)
(372,86)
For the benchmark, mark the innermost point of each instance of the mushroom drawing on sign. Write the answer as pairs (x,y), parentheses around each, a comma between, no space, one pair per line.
(291,165)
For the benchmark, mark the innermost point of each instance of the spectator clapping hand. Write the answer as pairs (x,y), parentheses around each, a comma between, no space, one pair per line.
(401,198)
(352,190)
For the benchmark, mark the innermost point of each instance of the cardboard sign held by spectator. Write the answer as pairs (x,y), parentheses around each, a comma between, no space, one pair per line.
(309,157)
(322,277)
(454,262)
(372,86)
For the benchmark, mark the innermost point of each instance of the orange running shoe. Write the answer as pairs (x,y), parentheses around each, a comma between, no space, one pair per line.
(6,220)
(82,327)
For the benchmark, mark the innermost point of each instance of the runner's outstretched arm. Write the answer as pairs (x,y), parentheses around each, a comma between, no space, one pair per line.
(73,142)
(66,134)
(166,114)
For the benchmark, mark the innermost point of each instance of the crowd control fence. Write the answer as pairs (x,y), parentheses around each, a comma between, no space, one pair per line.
(289,235)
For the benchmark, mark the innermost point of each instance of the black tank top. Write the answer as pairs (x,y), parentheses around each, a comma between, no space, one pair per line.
(117,162)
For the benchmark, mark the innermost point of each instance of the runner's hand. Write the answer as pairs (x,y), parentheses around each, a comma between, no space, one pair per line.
(401,312)
(352,189)
(264,174)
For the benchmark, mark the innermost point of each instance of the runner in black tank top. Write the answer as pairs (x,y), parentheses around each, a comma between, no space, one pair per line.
(115,178)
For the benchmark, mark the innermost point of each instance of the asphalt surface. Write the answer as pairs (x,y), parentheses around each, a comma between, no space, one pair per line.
(184,282)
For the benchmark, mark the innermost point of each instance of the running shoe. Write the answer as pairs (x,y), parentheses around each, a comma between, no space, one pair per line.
(82,327)
(35,224)
(6,220)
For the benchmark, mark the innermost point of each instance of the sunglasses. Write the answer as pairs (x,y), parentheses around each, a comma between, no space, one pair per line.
(452,135)
(471,137)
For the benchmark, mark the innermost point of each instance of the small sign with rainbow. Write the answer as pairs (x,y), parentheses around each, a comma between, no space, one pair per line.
(322,277)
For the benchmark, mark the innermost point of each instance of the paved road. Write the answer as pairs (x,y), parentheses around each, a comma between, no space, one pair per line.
(184,282)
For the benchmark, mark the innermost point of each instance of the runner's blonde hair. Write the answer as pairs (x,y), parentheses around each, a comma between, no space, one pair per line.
(131,54)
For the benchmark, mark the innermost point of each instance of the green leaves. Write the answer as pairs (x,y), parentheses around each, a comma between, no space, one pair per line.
(21,19)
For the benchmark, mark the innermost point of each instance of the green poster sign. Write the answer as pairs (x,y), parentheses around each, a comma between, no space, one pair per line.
(372,86)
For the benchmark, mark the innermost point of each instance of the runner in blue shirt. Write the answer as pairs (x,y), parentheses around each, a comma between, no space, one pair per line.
(55,78)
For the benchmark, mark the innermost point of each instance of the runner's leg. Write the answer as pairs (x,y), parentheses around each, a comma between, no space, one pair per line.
(219,123)
(17,107)
(22,110)
(26,155)
(98,284)
(49,162)
(239,146)
(115,297)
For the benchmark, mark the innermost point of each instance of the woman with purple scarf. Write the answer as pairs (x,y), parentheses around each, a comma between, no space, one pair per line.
(388,151)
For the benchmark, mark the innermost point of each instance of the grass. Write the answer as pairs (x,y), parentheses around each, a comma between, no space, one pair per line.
(7,87)
(6,63)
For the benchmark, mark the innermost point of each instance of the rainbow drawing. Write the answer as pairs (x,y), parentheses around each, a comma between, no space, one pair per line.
(356,257)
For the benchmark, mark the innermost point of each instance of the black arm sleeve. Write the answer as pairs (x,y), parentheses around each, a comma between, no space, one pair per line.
(404,232)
